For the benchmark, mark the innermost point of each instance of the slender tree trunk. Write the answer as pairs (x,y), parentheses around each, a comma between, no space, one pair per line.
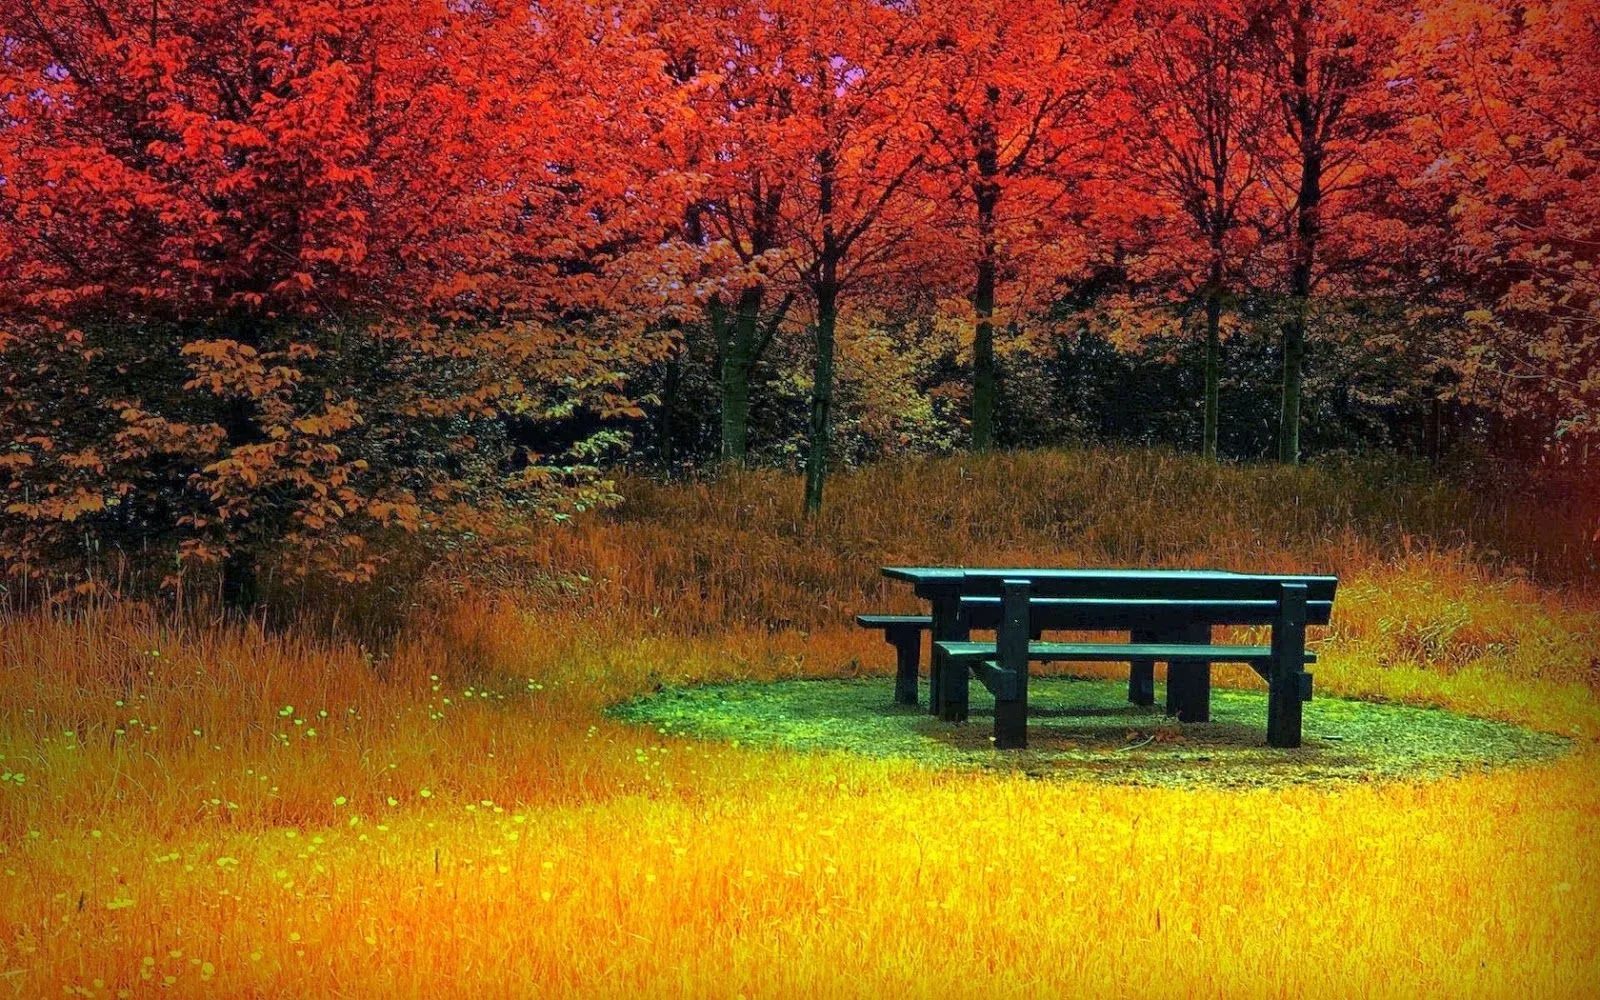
(1294,352)
(666,429)
(1307,230)
(241,426)
(737,363)
(241,590)
(985,379)
(825,288)
(1208,444)
(821,394)
(1432,436)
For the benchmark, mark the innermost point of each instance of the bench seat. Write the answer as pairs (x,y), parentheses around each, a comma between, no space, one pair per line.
(895,621)
(1109,652)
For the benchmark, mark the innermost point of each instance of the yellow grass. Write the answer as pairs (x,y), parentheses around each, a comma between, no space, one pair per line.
(464,821)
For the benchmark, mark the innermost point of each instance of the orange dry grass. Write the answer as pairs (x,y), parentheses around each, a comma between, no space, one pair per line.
(464,821)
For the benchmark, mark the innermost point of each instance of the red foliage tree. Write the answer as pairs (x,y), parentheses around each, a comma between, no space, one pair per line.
(1328,63)
(1201,109)
(1505,111)
(853,145)
(1024,101)
(728,59)
(212,210)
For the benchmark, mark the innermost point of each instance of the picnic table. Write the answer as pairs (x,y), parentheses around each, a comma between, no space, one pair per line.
(1169,615)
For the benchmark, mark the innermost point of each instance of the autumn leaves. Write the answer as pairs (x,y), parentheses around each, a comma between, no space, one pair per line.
(311,272)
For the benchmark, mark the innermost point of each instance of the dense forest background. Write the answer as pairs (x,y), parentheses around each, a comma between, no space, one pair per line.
(298,286)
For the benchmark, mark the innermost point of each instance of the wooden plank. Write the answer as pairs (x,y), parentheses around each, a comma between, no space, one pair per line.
(983,612)
(904,633)
(1173,586)
(937,575)
(948,574)
(994,679)
(1112,583)
(895,621)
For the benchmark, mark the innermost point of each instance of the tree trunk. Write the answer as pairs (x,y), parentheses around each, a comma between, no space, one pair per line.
(821,394)
(666,430)
(1208,437)
(1294,350)
(1432,436)
(241,590)
(985,379)
(737,362)
(241,426)
(825,288)
(1308,202)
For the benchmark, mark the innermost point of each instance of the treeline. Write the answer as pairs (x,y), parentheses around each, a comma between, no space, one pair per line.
(286,281)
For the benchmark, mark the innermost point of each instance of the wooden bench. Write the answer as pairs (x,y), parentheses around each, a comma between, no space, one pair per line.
(1166,612)
(1186,648)
(1147,619)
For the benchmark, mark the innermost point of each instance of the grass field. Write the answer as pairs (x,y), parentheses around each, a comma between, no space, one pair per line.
(196,809)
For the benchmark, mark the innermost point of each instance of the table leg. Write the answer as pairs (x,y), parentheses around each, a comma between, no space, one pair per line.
(1287,685)
(949,626)
(953,677)
(1189,681)
(1011,647)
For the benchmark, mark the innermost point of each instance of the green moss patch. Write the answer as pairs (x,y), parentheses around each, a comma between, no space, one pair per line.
(1084,729)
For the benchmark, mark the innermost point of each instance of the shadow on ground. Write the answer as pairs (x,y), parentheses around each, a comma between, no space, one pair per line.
(1083,729)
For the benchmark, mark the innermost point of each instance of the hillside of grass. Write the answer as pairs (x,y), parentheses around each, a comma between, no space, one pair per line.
(193,807)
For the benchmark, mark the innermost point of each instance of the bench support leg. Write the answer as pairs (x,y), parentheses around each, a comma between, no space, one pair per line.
(1284,714)
(1011,648)
(1010,724)
(1189,681)
(1285,689)
(907,651)
(1142,676)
